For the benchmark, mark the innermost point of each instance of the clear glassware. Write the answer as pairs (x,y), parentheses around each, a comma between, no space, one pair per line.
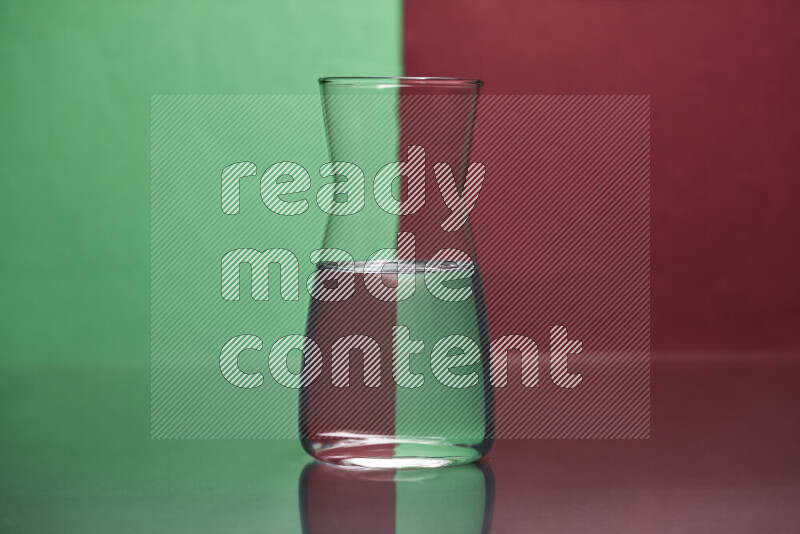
(397,314)
(342,500)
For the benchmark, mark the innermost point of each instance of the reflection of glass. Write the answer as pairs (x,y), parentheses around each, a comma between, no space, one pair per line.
(397,313)
(343,500)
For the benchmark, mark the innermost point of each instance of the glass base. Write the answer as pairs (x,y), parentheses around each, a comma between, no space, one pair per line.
(393,454)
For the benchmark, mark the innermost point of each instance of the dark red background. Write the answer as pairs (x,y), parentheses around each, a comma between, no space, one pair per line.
(725,121)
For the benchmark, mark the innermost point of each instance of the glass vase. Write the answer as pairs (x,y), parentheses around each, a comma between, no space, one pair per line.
(396,373)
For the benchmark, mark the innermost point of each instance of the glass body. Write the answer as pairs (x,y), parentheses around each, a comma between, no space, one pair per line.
(336,500)
(397,315)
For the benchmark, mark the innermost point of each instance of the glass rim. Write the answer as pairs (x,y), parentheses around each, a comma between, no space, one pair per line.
(398,81)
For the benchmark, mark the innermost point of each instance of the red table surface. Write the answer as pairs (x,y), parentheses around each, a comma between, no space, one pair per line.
(722,457)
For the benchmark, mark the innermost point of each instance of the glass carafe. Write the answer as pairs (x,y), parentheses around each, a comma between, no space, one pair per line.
(396,373)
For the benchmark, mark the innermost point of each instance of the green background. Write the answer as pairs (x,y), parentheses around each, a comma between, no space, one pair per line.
(77,79)
(193,139)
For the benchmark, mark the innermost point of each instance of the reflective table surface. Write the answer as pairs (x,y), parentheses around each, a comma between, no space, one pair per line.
(724,456)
